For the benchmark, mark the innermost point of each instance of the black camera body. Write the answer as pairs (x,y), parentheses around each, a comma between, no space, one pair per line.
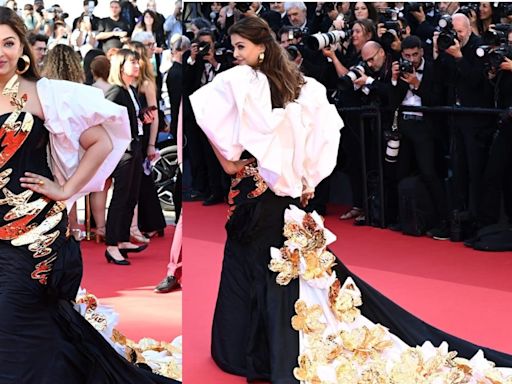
(498,35)
(506,9)
(295,33)
(203,48)
(293,51)
(494,56)
(405,66)
(355,72)
(447,35)
(468,8)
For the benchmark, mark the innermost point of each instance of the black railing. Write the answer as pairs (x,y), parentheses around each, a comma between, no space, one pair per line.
(373,114)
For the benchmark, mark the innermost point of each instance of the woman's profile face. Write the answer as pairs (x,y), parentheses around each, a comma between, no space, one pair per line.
(10,50)
(361,11)
(245,51)
(359,36)
(131,67)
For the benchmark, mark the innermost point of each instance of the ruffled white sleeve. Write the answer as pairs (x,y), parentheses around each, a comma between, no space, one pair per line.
(294,146)
(69,109)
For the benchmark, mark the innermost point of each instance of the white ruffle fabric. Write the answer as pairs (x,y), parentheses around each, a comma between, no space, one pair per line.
(294,146)
(69,109)
(337,343)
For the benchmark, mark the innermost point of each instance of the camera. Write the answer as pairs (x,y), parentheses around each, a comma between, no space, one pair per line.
(415,7)
(390,21)
(321,40)
(293,52)
(203,48)
(355,72)
(447,35)
(405,66)
(497,35)
(506,9)
(295,33)
(468,9)
(494,56)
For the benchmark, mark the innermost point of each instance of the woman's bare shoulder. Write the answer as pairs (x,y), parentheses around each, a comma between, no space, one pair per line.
(33,104)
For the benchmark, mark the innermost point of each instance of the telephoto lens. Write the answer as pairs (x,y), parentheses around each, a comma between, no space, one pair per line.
(321,40)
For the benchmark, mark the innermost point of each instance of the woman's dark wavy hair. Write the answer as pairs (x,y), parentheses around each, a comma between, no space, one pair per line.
(284,76)
(10,18)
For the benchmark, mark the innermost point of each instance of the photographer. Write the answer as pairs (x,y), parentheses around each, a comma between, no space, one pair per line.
(423,19)
(496,180)
(466,85)
(113,30)
(419,86)
(200,66)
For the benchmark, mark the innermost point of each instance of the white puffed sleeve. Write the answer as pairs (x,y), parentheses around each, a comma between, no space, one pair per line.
(69,109)
(294,146)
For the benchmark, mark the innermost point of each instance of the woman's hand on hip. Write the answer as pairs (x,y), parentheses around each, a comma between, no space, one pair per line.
(44,186)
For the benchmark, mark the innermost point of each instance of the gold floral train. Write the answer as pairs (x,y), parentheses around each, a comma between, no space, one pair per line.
(337,343)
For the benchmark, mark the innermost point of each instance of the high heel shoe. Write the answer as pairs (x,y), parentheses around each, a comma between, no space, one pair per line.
(99,236)
(124,251)
(150,235)
(110,259)
(137,237)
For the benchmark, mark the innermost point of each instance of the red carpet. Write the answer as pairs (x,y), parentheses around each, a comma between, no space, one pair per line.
(129,289)
(457,289)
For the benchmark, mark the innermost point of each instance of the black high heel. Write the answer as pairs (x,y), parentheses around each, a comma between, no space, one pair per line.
(110,259)
(124,251)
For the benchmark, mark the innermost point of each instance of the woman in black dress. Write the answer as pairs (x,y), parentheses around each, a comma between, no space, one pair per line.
(274,131)
(43,339)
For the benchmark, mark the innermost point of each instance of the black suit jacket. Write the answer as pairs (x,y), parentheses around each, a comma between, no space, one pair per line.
(121,96)
(466,83)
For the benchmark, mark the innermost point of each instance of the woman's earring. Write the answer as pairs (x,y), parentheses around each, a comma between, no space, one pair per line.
(261,57)
(26,65)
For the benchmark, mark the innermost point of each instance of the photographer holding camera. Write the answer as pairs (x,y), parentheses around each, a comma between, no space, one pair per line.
(419,86)
(496,180)
(200,66)
(466,85)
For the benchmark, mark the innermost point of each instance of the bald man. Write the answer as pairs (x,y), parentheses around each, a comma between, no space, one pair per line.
(467,86)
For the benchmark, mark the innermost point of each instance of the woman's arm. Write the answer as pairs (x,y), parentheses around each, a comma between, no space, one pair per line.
(230,167)
(97,145)
(149,89)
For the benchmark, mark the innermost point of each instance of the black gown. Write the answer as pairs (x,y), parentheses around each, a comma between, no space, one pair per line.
(252,334)
(43,339)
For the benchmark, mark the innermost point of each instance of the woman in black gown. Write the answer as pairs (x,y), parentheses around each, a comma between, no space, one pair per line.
(278,138)
(43,339)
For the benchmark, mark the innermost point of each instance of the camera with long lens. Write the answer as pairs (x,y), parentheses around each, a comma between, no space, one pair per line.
(203,48)
(321,40)
(415,7)
(354,73)
(447,35)
(494,56)
(405,66)
(392,139)
(497,35)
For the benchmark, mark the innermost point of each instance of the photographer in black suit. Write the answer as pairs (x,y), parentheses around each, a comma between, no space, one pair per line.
(200,66)
(419,86)
(466,86)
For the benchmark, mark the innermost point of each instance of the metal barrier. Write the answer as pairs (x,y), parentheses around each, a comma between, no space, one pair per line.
(374,113)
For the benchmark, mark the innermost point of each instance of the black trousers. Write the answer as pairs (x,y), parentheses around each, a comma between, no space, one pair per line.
(127,179)
(470,148)
(417,148)
(496,180)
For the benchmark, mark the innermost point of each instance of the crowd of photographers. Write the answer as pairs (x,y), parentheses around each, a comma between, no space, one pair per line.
(393,58)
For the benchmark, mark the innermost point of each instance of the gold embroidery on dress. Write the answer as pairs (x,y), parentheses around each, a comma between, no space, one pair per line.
(43,269)
(13,134)
(249,170)
(3,177)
